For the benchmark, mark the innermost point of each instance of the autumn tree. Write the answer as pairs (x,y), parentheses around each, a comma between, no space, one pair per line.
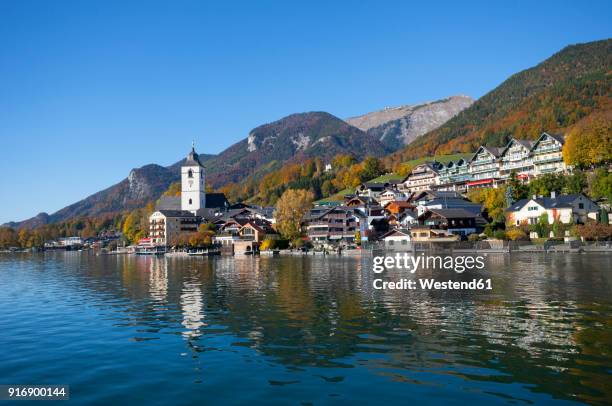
(589,142)
(290,210)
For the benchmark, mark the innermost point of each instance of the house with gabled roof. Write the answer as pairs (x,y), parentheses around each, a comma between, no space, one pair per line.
(547,154)
(456,221)
(425,176)
(568,209)
(516,157)
(484,167)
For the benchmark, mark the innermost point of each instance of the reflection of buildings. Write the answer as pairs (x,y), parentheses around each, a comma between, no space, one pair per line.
(158,279)
(192,308)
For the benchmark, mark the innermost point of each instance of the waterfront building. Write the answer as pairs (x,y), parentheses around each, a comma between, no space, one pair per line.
(165,226)
(568,209)
(334,224)
(448,203)
(183,214)
(397,240)
(456,221)
(427,234)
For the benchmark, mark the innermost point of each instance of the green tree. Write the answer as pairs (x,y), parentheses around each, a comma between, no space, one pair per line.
(601,184)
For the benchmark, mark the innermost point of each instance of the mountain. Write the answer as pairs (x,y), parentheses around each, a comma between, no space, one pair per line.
(399,126)
(267,147)
(292,138)
(141,186)
(551,96)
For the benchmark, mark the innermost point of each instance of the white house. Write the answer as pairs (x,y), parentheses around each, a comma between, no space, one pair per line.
(391,195)
(397,240)
(576,208)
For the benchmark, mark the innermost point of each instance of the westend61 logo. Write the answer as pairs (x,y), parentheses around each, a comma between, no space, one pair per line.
(412,263)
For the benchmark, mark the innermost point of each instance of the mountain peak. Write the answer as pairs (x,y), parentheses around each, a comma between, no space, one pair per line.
(398,126)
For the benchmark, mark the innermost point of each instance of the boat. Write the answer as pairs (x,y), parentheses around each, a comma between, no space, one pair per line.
(204,253)
(156,250)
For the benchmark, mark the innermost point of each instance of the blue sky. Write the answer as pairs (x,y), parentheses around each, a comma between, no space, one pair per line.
(91,89)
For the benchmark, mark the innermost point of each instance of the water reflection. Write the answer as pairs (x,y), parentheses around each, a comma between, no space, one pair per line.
(544,330)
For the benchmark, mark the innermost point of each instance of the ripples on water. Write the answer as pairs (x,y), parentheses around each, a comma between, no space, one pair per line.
(304,330)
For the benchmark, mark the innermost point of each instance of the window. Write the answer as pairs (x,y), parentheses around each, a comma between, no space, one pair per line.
(190,174)
(581,205)
(189,201)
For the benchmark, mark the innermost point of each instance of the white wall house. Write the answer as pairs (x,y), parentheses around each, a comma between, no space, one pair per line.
(576,208)
(423,177)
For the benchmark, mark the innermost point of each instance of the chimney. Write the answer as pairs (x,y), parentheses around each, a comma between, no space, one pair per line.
(553,195)
(534,197)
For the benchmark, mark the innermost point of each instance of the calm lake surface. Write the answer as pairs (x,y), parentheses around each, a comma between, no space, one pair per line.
(305,330)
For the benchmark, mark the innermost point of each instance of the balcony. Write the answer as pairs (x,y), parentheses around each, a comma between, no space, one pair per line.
(547,160)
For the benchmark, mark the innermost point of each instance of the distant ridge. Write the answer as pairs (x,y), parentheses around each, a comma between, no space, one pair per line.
(551,96)
(398,126)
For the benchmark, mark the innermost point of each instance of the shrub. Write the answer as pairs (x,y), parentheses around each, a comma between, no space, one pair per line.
(267,244)
(516,234)
(594,231)
(500,234)
(473,237)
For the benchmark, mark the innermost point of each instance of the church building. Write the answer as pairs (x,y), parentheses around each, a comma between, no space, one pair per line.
(183,214)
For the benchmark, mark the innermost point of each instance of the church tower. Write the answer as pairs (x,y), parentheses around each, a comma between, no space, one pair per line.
(193,186)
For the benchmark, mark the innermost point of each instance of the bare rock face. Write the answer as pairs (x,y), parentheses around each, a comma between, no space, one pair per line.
(398,126)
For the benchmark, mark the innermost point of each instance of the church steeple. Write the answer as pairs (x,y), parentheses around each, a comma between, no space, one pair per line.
(193,186)
(193,158)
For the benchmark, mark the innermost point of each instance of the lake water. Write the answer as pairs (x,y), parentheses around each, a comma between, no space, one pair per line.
(305,330)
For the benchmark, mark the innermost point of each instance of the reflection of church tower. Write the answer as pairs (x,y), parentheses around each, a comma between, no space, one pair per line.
(192,306)
(193,186)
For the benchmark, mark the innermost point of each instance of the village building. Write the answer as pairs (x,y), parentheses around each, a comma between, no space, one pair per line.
(395,240)
(371,189)
(174,215)
(427,234)
(547,155)
(484,168)
(398,207)
(391,195)
(567,209)
(448,203)
(425,176)
(334,224)
(405,219)
(454,175)
(456,221)
(516,157)
(165,226)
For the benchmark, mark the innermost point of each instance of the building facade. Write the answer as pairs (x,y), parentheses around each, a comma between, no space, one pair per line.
(425,176)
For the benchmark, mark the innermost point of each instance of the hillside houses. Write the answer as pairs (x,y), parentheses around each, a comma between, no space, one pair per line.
(432,195)
(491,166)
